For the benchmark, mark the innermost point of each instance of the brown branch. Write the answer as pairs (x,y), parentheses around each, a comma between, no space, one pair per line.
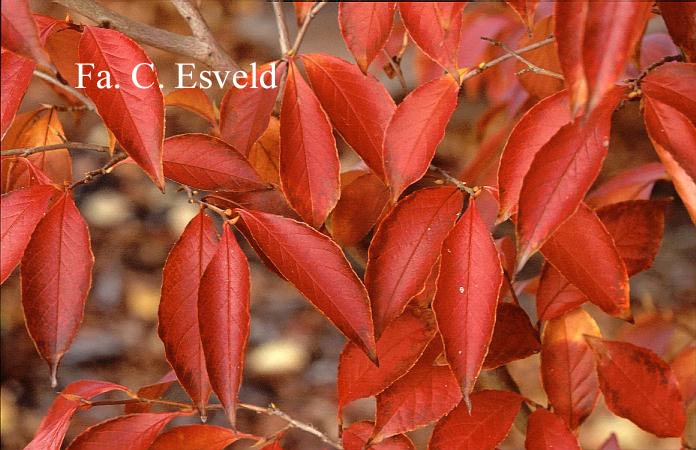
(103,170)
(655,65)
(397,70)
(269,411)
(494,62)
(200,30)
(281,23)
(305,25)
(69,89)
(45,148)
(531,67)
(190,46)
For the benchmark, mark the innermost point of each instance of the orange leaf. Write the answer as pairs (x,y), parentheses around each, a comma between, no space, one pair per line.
(365,27)
(547,431)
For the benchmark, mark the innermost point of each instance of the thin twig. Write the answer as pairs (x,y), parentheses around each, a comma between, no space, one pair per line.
(281,23)
(45,148)
(531,67)
(305,25)
(461,185)
(225,214)
(103,170)
(190,46)
(397,70)
(494,62)
(200,30)
(654,66)
(69,89)
(273,411)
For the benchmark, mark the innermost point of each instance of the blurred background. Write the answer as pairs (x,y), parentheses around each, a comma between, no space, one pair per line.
(293,351)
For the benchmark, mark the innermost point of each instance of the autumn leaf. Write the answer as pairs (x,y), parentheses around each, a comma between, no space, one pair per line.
(134,115)
(19,32)
(358,105)
(20,211)
(679,18)
(398,349)
(568,366)
(132,431)
(467,296)
(208,163)
(223,318)
(16,73)
(309,166)
(178,309)
(55,423)
(423,395)
(198,437)
(639,386)
(332,287)
(194,100)
(436,28)
(547,431)
(405,247)
(365,27)
(56,277)
(587,32)
(514,337)
(245,112)
(415,130)
(357,437)
(482,425)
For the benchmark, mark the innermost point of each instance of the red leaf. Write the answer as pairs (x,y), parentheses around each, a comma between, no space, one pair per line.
(483,426)
(55,423)
(16,76)
(536,127)
(547,431)
(207,163)
(198,437)
(56,277)
(332,286)
(20,212)
(568,366)
(637,227)
(415,130)
(151,391)
(405,247)
(223,317)
(266,200)
(34,129)
(398,350)
(674,137)
(560,175)
(583,251)
(556,295)
(425,394)
(309,167)
(19,32)
(365,27)
(264,155)
(467,295)
(684,369)
(674,85)
(525,9)
(586,33)
(361,204)
(194,100)
(132,431)
(681,23)
(178,309)
(18,173)
(631,184)
(358,105)
(639,386)
(134,115)
(244,113)
(435,27)
(358,434)
(514,337)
